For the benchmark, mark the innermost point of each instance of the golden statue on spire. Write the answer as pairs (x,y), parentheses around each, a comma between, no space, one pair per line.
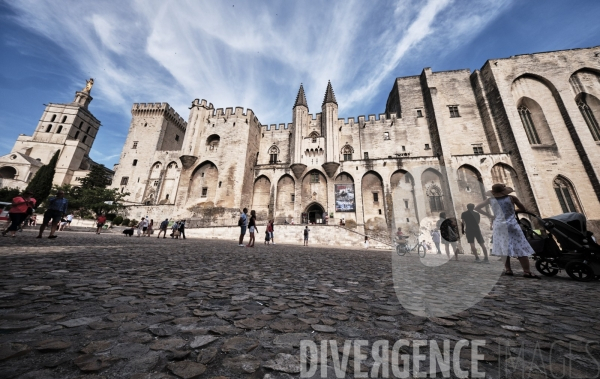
(88,85)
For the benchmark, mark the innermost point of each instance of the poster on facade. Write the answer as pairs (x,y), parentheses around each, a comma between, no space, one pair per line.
(344,198)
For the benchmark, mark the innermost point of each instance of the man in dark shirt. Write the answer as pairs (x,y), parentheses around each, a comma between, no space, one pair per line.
(470,221)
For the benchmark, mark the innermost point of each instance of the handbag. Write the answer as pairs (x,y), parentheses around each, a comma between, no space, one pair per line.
(240,222)
(176,233)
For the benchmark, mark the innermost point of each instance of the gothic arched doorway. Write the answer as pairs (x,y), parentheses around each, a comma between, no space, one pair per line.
(314,214)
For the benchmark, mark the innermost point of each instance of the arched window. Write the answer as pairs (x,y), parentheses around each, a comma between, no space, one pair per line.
(80,124)
(64,119)
(435,198)
(213,141)
(273,152)
(59,129)
(88,129)
(527,121)
(76,135)
(566,195)
(347,151)
(53,118)
(8,172)
(49,128)
(590,120)
(313,136)
(84,138)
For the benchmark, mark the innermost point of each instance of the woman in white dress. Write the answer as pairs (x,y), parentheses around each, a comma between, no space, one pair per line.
(508,238)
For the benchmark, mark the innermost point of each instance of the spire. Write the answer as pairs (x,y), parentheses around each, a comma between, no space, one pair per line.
(301,98)
(329,95)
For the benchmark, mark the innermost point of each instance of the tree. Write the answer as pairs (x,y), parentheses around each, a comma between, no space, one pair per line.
(89,201)
(41,184)
(97,177)
(7,194)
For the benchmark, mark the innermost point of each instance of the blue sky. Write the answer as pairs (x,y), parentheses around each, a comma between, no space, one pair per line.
(254,53)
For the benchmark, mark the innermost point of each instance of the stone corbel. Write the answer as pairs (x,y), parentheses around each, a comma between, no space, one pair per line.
(187,161)
(298,169)
(330,168)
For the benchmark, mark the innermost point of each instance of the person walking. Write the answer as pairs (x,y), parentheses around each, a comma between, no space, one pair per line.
(269,232)
(366,242)
(150,229)
(449,232)
(272,232)
(436,238)
(508,238)
(57,208)
(252,228)
(163,228)
(470,221)
(175,230)
(306,230)
(142,227)
(100,221)
(182,228)
(69,220)
(22,206)
(243,224)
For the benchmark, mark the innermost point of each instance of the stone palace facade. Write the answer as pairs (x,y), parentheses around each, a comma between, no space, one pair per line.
(530,121)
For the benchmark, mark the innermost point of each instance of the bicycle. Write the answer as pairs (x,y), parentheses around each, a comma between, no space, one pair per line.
(403,248)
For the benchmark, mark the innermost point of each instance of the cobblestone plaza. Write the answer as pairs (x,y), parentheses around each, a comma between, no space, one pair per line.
(108,306)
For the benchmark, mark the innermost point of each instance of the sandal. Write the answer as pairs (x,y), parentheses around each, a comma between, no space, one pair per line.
(530,275)
(508,273)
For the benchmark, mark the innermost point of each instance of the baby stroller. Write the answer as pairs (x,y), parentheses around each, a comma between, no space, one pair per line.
(568,245)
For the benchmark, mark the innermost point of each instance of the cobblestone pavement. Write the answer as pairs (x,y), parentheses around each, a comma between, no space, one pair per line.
(117,307)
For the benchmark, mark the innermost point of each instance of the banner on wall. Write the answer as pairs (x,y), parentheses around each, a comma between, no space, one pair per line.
(344,198)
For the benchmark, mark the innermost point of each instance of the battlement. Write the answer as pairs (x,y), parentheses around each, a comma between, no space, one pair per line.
(159,108)
(372,120)
(202,103)
(277,126)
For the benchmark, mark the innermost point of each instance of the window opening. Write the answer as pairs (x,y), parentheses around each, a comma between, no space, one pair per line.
(59,129)
(477,150)
(49,128)
(566,195)
(53,118)
(375,197)
(293,198)
(134,162)
(366,155)
(64,119)
(529,126)
(204,191)
(454,111)
(135,143)
(155,183)
(419,113)
(176,137)
(124,180)
(314,177)
(76,134)
(427,146)
(590,120)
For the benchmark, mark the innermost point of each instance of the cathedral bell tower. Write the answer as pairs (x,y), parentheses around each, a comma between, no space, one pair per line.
(329,117)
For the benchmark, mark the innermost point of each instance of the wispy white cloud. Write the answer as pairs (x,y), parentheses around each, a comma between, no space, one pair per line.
(249,53)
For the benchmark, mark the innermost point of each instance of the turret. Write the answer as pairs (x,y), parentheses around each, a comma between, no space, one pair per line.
(300,124)
(329,119)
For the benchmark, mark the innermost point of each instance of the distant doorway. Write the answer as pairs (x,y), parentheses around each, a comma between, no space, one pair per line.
(315,214)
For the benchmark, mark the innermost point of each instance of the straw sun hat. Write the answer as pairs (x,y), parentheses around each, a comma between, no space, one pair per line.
(499,190)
